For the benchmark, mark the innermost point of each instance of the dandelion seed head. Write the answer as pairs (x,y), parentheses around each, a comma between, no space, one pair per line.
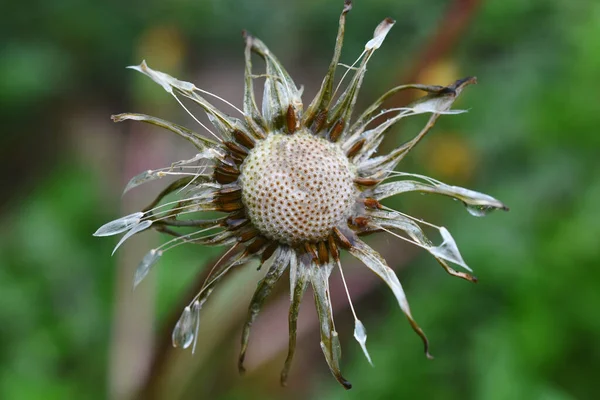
(294,185)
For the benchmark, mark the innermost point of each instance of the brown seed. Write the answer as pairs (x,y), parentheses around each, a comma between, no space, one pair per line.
(290,119)
(336,130)
(230,189)
(233,218)
(237,149)
(323,254)
(333,249)
(228,169)
(224,178)
(311,250)
(342,239)
(319,121)
(231,206)
(237,215)
(268,252)
(372,203)
(366,181)
(226,197)
(355,148)
(247,233)
(361,222)
(236,223)
(256,245)
(243,139)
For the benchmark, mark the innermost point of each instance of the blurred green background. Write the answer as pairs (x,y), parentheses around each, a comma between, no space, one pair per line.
(70,327)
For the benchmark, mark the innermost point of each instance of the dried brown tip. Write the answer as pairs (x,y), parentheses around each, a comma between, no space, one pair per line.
(283,379)
(347,6)
(246,35)
(241,368)
(421,334)
(453,272)
(460,84)
(347,385)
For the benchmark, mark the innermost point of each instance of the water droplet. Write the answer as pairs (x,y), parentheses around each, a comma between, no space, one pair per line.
(183,333)
(479,210)
(147,262)
(119,225)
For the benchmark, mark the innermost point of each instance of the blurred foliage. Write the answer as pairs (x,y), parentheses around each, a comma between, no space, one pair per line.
(528,330)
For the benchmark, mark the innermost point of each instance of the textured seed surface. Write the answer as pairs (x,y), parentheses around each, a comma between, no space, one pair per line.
(297,188)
